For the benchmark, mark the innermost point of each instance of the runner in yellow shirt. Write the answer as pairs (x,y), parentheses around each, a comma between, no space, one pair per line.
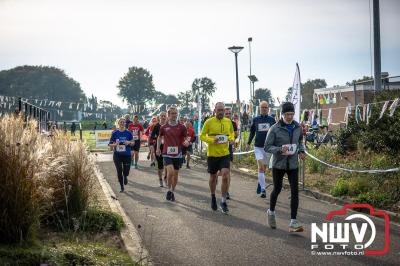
(218,133)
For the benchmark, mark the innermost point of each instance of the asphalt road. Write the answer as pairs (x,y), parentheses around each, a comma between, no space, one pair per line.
(188,232)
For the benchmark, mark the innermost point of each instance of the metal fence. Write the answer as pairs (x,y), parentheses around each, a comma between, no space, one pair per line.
(30,111)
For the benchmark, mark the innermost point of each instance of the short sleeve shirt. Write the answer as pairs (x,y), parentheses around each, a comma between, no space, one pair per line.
(135,130)
(174,136)
(121,136)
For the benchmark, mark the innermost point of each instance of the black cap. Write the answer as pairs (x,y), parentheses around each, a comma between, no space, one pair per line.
(287,107)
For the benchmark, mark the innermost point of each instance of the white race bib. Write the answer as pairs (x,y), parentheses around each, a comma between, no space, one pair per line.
(221,139)
(121,148)
(173,150)
(135,137)
(263,127)
(292,149)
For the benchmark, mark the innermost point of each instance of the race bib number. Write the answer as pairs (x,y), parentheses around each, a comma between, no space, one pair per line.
(221,139)
(263,127)
(292,148)
(135,137)
(172,150)
(121,148)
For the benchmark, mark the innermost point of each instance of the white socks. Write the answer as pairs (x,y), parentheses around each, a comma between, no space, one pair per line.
(261,180)
(271,212)
(223,198)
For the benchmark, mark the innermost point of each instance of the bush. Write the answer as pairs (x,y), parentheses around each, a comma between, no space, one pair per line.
(380,135)
(341,188)
(376,199)
(96,220)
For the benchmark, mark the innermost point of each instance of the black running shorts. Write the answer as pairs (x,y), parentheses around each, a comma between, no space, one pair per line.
(217,163)
(176,162)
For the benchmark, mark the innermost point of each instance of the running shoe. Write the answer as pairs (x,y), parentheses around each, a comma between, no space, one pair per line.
(295,226)
(271,219)
(224,207)
(161,183)
(136,166)
(172,196)
(263,194)
(125,180)
(187,167)
(153,164)
(228,196)
(122,190)
(169,195)
(214,206)
(148,156)
(258,188)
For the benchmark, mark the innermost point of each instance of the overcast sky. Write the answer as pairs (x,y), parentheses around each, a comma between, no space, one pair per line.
(96,42)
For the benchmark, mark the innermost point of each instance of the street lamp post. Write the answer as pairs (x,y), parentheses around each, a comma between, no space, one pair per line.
(236,50)
(250,39)
(253,79)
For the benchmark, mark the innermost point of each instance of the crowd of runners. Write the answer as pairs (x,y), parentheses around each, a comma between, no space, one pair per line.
(278,145)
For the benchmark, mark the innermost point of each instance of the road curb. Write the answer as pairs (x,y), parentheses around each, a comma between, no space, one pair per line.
(129,235)
(394,217)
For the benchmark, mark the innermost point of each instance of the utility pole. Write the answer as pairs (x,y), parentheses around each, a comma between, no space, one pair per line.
(377,47)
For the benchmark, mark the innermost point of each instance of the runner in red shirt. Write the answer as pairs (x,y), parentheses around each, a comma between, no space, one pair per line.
(174,136)
(191,138)
(150,141)
(136,129)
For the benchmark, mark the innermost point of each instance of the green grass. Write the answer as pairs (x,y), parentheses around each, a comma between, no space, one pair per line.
(65,252)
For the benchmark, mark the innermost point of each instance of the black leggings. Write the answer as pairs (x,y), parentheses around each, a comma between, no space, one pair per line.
(123,165)
(293,176)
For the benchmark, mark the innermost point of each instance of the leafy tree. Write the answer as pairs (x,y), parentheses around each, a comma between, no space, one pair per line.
(364,78)
(186,99)
(137,88)
(40,82)
(307,92)
(171,99)
(204,87)
(159,97)
(264,95)
(288,96)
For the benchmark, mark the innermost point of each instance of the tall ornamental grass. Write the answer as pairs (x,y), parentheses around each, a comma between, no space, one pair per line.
(42,179)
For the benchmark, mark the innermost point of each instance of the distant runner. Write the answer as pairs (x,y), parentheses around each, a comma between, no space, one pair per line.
(136,129)
(154,135)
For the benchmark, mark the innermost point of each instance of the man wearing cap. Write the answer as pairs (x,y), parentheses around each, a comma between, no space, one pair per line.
(285,142)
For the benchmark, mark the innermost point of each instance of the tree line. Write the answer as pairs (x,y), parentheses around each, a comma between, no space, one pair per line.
(135,87)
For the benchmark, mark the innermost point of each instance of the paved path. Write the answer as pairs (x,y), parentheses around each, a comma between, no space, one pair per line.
(188,232)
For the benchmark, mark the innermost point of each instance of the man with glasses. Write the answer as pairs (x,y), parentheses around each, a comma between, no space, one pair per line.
(173,134)
(155,133)
(218,133)
(259,128)
(285,142)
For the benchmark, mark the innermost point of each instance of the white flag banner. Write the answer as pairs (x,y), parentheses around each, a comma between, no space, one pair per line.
(393,107)
(329,119)
(296,92)
(384,107)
